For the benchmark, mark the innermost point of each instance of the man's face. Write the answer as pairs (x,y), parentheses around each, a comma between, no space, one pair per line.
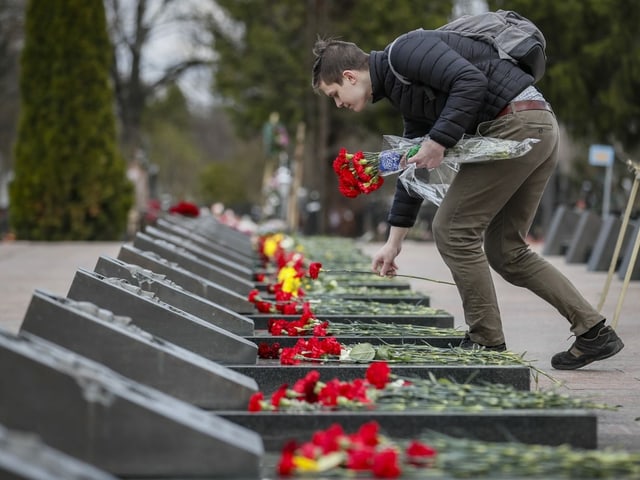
(352,94)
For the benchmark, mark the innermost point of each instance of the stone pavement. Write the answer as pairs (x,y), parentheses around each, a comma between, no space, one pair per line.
(531,326)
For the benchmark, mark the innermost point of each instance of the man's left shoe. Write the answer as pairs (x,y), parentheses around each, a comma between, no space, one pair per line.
(586,350)
(468,344)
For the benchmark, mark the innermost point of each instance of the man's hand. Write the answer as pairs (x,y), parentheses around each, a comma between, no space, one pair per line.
(383,261)
(429,156)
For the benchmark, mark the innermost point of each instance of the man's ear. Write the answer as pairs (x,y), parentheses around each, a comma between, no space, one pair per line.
(350,76)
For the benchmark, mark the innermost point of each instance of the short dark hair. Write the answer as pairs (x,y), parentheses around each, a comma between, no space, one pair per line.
(332,58)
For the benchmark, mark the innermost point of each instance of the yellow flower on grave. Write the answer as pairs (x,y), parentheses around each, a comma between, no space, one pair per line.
(271,244)
(290,280)
(291,285)
(286,272)
(305,464)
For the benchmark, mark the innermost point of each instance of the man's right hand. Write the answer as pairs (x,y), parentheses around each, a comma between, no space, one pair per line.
(383,261)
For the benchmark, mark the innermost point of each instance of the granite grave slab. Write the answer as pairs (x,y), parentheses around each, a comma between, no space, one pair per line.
(373,284)
(628,264)
(214,292)
(223,262)
(577,428)
(561,231)
(605,245)
(270,374)
(187,260)
(114,341)
(213,230)
(85,410)
(173,294)
(411,298)
(441,341)
(247,259)
(161,319)
(440,319)
(584,237)
(23,456)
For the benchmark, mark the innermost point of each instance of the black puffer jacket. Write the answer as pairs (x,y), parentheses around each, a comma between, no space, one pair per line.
(455,84)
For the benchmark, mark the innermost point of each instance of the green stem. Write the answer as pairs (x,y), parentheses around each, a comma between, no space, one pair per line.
(389,276)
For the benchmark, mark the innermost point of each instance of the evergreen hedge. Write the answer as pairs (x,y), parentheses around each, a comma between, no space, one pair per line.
(70,179)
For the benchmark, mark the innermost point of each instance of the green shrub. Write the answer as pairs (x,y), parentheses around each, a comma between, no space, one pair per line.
(70,181)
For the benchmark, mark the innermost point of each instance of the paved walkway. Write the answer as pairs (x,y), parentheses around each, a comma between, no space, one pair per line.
(531,325)
(536,329)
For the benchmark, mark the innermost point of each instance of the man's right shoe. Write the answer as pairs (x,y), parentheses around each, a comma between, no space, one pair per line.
(468,344)
(586,350)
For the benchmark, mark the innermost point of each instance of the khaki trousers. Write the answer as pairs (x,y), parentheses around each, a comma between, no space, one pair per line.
(494,203)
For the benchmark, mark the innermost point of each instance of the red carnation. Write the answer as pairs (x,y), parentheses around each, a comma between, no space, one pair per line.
(264,307)
(279,395)
(378,374)
(385,464)
(360,459)
(254,402)
(253,295)
(314,269)
(187,209)
(368,433)
(286,466)
(420,454)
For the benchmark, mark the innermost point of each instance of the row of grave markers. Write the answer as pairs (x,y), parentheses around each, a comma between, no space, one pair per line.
(145,368)
(585,237)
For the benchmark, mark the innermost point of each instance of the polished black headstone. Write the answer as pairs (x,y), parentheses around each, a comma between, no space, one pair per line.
(114,341)
(86,410)
(187,260)
(161,319)
(270,375)
(441,341)
(440,319)
(186,279)
(173,294)
(577,428)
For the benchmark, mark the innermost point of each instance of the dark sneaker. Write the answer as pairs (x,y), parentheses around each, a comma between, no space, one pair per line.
(586,350)
(468,344)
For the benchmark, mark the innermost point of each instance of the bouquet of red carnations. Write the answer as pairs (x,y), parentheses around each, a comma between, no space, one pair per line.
(364,172)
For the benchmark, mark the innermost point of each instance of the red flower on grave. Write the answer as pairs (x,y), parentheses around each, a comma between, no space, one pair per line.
(420,455)
(264,307)
(254,295)
(368,433)
(385,464)
(378,374)
(286,466)
(307,385)
(329,440)
(314,269)
(279,395)
(255,402)
(269,351)
(321,330)
(187,209)
(288,356)
(360,459)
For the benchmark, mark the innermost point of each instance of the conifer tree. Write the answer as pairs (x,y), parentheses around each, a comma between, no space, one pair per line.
(70,181)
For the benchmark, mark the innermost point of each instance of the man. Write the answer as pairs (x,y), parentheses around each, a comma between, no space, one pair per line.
(446,85)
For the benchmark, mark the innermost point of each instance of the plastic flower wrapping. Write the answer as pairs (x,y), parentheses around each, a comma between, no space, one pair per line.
(364,172)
